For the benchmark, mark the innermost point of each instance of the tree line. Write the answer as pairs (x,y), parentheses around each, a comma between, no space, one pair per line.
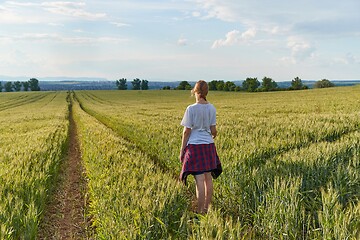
(137,84)
(249,85)
(17,86)
(254,85)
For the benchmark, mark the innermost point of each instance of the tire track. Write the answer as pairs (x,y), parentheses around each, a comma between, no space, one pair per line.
(64,217)
(23,101)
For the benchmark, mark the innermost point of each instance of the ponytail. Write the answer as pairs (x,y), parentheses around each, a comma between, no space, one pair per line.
(202,88)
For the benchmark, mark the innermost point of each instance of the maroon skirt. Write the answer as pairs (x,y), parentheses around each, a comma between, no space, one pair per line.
(200,158)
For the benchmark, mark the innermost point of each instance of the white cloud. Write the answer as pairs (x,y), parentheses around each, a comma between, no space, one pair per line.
(182,42)
(196,14)
(5,40)
(13,12)
(37,36)
(8,16)
(234,37)
(44,37)
(216,9)
(74,9)
(90,40)
(284,17)
(22,4)
(248,34)
(348,59)
(230,39)
(300,49)
(120,24)
(56,24)
(16,61)
(78,31)
(276,29)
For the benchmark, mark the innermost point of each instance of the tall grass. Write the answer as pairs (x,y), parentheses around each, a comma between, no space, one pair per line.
(131,197)
(32,140)
(291,163)
(279,151)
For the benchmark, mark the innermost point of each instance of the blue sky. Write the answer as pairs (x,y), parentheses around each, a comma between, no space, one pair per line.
(176,40)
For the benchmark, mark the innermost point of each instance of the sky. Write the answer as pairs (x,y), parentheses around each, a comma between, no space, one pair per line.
(173,40)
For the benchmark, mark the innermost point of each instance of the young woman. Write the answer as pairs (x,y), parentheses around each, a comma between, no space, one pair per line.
(198,153)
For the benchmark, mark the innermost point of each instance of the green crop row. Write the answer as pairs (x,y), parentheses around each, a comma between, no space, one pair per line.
(284,154)
(33,136)
(131,197)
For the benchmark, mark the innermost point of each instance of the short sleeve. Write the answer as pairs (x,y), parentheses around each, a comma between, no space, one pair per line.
(213,117)
(187,120)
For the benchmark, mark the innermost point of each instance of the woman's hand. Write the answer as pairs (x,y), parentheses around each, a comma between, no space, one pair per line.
(181,156)
(213,131)
(185,139)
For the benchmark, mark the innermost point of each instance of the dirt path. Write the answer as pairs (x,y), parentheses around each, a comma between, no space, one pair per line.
(64,217)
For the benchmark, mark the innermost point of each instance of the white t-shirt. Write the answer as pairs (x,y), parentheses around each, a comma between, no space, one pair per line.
(199,117)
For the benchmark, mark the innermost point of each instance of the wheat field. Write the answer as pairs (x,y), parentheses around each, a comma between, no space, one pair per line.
(291,163)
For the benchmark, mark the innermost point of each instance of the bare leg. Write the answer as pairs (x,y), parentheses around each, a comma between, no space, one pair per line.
(208,190)
(200,192)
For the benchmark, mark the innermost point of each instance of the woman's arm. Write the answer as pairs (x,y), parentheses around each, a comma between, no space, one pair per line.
(185,139)
(213,131)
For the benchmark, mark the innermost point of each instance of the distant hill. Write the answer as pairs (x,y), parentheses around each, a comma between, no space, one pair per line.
(310,83)
(76,85)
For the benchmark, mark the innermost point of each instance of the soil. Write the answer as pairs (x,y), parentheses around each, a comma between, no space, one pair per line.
(64,216)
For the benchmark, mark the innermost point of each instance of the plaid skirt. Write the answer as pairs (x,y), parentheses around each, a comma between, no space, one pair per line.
(200,158)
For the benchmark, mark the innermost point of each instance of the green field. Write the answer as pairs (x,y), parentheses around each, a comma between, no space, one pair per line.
(291,163)
(32,140)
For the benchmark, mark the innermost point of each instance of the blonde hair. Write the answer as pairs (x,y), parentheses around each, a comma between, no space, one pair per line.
(202,88)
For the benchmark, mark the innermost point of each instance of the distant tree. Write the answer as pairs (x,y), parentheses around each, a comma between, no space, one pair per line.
(121,84)
(324,83)
(1,87)
(184,85)
(26,86)
(251,84)
(166,88)
(220,84)
(237,89)
(229,86)
(268,84)
(136,83)
(34,84)
(8,87)
(297,84)
(212,85)
(144,84)
(17,86)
